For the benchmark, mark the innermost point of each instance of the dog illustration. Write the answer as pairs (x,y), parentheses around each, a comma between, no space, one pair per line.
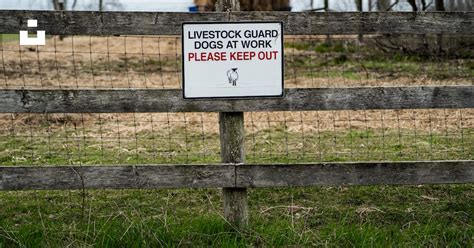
(233,76)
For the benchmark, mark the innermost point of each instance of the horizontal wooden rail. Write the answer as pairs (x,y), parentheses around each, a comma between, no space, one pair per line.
(295,23)
(116,101)
(355,174)
(117,177)
(227,175)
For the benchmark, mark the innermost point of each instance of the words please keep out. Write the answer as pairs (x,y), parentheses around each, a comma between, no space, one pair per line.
(232,41)
(232,59)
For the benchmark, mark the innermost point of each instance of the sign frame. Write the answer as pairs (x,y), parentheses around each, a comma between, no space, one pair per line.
(233,97)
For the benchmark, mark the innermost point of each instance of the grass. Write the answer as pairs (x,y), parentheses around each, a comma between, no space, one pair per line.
(9,37)
(374,216)
(324,59)
(265,146)
(16,37)
(335,217)
(315,59)
(363,216)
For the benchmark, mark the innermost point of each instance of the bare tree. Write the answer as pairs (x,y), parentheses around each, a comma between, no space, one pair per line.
(425,5)
(439,4)
(112,5)
(58,5)
(413,5)
(359,5)
(359,8)
(383,5)
(370,5)
(74,4)
(250,5)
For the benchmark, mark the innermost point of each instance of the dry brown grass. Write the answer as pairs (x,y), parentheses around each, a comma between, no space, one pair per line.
(151,62)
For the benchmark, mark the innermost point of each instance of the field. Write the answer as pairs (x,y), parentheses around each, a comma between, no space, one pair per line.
(428,215)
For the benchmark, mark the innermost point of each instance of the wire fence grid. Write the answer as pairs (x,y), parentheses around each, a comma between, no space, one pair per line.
(154,62)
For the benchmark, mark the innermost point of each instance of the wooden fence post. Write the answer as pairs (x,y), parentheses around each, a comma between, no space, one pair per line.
(232,136)
(232,151)
(228,5)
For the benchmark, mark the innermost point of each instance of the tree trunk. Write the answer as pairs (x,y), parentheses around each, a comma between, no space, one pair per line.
(58,5)
(359,9)
(413,5)
(423,5)
(55,4)
(359,5)
(383,5)
(439,4)
(249,5)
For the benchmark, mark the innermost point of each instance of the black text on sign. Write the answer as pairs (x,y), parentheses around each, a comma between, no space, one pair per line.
(228,60)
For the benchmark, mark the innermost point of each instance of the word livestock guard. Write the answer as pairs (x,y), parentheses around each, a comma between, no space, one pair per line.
(255,39)
(235,59)
(233,34)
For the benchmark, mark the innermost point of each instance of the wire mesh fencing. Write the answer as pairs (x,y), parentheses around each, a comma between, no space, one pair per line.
(153,62)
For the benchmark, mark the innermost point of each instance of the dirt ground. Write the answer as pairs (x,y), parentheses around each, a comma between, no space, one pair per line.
(153,62)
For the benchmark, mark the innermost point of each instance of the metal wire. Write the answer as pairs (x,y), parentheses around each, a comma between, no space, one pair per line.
(152,62)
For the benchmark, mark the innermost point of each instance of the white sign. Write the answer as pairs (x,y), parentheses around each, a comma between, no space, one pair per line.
(232,59)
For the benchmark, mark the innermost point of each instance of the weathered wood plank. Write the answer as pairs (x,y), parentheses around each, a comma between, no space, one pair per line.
(227,175)
(102,23)
(111,101)
(295,23)
(355,174)
(232,139)
(314,23)
(94,177)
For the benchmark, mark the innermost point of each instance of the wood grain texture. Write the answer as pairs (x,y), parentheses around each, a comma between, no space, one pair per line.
(117,101)
(232,139)
(114,177)
(355,174)
(227,175)
(236,207)
(295,23)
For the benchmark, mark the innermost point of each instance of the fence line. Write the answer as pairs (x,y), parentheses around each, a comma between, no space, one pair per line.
(295,23)
(233,175)
(228,175)
(129,100)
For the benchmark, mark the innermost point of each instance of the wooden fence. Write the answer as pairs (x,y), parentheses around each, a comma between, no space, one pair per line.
(233,173)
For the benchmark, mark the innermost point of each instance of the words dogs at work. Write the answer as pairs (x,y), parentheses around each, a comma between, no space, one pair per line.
(213,39)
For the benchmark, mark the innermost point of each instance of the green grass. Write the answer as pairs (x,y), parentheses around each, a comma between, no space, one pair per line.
(368,216)
(9,37)
(335,217)
(16,37)
(325,59)
(373,216)
(266,146)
